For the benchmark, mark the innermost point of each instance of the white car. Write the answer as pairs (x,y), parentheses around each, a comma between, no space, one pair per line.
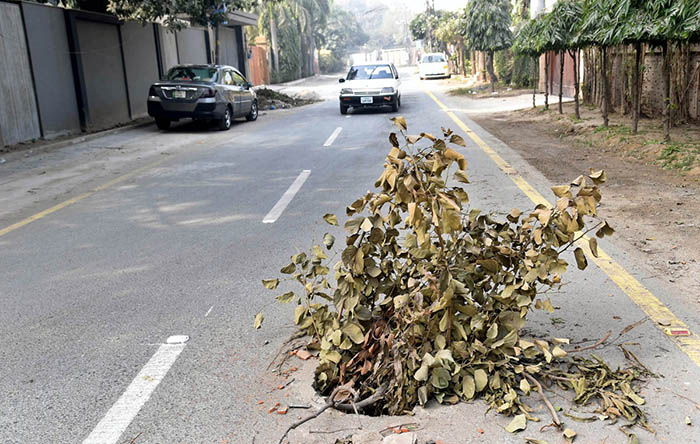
(370,84)
(433,65)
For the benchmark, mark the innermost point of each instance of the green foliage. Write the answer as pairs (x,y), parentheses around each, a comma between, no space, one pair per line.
(449,28)
(523,69)
(419,26)
(487,25)
(299,26)
(527,37)
(199,12)
(504,63)
(329,62)
(680,156)
(425,26)
(430,295)
(342,33)
(564,23)
(290,56)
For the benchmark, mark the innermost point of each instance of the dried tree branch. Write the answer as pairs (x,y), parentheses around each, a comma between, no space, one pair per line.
(329,404)
(339,406)
(379,394)
(590,347)
(555,417)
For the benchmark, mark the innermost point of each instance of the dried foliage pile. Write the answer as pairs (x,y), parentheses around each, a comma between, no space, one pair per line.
(430,295)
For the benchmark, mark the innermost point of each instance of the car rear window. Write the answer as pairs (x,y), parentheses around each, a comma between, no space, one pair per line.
(363,72)
(192,74)
(434,58)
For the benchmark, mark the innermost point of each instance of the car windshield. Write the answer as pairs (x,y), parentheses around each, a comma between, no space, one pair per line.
(366,72)
(433,58)
(192,74)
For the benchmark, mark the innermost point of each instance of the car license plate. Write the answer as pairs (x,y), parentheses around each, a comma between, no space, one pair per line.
(179,94)
(364,100)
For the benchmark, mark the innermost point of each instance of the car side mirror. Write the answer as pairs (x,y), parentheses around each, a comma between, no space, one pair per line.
(250,85)
(397,76)
(341,80)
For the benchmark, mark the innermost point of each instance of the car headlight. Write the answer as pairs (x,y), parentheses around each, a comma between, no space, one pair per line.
(346,91)
(388,90)
(446,67)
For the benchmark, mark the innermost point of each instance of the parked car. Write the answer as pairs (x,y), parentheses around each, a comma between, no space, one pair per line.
(433,65)
(206,92)
(371,84)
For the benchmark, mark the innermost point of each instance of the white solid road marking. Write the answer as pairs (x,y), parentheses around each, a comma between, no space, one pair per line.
(118,418)
(332,137)
(209,311)
(287,197)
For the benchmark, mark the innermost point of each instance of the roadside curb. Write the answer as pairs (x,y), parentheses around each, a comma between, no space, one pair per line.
(45,147)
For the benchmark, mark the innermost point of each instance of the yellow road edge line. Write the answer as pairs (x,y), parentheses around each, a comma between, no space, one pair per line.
(643,298)
(76,199)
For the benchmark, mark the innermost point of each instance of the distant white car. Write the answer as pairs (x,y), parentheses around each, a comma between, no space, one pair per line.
(433,65)
(370,84)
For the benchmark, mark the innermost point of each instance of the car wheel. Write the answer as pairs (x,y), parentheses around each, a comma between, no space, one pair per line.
(343,109)
(253,115)
(225,121)
(395,105)
(163,124)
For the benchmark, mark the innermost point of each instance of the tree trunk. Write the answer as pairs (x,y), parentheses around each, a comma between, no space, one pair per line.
(273,43)
(534,81)
(546,80)
(302,53)
(636,92)
(492,72)
(217,46)
(606,92)
(574,55)
(666,74)
(561,81)
(312,52)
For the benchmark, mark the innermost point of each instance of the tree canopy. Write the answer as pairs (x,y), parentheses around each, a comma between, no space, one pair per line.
(175,13)
(487,25)
(526,41)
(564,23)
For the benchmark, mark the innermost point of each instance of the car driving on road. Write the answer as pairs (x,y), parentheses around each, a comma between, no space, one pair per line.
(204,92)
(433,65)
(371,84)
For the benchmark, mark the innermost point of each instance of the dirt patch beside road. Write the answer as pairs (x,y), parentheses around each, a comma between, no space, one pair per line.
(652,202)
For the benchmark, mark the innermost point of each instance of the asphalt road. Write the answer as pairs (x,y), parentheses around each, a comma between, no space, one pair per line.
(91,291)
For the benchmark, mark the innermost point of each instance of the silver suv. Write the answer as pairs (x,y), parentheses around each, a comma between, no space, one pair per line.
(207,92)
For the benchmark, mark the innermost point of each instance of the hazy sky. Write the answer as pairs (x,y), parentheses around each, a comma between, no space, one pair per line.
(416,5)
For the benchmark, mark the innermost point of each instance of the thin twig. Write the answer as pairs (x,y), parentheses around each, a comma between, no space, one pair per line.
(555,417)
(329,404)
(324,432)
(337,405)
(298,406)
(133,440)
(414,426)
(630,328)
(294,337)
(697,405)
(282,387)
(580,237)
(589,347)
(302,421)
